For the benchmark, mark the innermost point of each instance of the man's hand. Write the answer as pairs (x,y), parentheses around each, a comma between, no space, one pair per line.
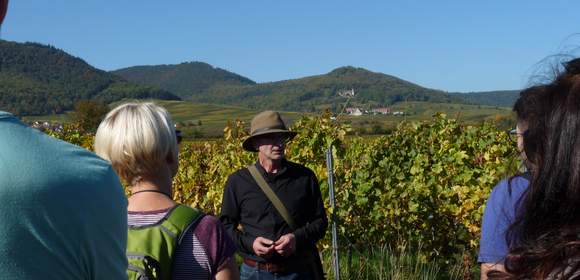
(286,245)
(263,247)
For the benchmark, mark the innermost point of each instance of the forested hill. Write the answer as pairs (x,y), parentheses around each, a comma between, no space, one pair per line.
(321,91)
(186,79)
(201,82)
(502,98)
(38,79)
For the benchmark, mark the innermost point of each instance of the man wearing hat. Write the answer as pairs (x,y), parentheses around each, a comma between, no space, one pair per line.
(277,222)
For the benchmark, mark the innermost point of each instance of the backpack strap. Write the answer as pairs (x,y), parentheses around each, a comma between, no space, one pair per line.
(272,196)
(180,220)
(316,269)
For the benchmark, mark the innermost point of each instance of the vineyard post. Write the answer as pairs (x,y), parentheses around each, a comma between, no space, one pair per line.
(329,167)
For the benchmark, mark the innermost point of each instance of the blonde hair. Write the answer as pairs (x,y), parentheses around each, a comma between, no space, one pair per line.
(136,138)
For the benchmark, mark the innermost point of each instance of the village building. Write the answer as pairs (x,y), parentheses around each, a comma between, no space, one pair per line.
(382,111)
(353,111)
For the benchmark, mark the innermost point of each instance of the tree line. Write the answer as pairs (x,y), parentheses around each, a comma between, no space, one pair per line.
(36,79)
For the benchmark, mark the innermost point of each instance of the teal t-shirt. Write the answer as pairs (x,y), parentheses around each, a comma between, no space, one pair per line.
(63,212)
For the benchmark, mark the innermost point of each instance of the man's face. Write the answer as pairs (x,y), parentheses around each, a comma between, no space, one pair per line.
(271,146)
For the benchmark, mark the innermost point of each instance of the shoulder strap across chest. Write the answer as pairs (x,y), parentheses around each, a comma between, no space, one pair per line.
(272,196)
(180,219)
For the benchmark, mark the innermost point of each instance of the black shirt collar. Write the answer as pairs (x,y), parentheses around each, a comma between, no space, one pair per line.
(282,170)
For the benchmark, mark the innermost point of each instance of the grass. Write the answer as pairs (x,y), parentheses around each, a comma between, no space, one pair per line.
(386,263)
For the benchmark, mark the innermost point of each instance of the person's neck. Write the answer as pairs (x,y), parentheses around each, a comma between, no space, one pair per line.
(150,194)
(271,166)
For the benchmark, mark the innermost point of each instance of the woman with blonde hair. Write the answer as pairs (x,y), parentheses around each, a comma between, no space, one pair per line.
(166,240)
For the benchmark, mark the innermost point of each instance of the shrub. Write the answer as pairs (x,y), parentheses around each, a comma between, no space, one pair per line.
(425,183)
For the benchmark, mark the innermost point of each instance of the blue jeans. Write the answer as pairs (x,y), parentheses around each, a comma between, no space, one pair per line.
(251,273)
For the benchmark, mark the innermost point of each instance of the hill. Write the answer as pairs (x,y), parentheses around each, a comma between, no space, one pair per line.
(501,98)
(319,92)
(186,79)
(201,82)
(37,79)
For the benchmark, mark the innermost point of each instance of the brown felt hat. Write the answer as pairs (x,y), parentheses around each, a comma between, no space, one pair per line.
(267,122)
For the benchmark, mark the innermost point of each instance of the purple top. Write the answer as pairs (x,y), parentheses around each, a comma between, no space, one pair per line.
(204,250)
(499,214)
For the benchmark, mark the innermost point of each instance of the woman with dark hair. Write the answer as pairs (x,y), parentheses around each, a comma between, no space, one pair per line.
(544,239)
(504,199)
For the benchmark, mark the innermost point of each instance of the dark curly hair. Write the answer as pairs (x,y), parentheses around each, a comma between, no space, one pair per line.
(528,109)
(544,239)
(3,9)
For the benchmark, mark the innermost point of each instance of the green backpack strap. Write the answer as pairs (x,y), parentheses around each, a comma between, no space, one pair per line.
(180,220)
(150,248)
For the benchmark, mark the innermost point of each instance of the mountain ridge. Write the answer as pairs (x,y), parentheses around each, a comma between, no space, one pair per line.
(320,91)
(184,79)
(40,79)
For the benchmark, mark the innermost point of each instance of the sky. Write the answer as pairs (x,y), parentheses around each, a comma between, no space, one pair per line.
(447,45)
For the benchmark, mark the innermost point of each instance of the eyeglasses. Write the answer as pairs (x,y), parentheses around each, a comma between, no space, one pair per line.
(274,139)
(178,136)
(514,134)
(282,139)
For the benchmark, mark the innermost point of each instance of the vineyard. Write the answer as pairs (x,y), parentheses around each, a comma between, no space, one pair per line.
(425,184)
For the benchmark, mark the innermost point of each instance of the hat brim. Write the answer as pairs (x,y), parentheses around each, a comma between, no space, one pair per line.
(248,144)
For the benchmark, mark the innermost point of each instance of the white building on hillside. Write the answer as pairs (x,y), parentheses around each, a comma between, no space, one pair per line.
(354,111)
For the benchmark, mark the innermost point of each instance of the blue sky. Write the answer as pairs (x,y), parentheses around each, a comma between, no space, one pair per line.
(447,45)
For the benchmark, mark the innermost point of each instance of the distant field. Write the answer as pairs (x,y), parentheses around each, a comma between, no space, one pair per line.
(468,113)
(418,111)
(208,120)
(60,118)
(196,120)
(213,118)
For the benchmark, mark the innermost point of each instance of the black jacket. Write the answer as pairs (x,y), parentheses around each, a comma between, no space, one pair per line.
(245,204)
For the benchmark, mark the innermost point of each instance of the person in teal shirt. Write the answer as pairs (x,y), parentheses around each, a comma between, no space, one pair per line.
(62,208)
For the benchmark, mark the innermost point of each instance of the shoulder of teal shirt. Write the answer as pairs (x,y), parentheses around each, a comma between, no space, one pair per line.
(63,209)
